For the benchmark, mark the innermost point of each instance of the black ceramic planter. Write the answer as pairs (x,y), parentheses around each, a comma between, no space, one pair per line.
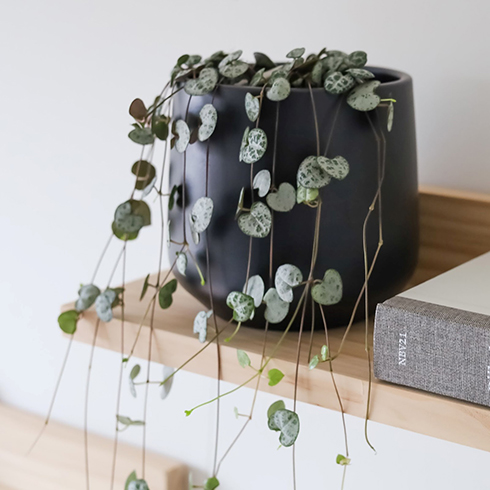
(345,203)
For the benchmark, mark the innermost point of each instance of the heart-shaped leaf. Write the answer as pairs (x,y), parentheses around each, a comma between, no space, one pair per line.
(357,59)
(167,385)
(363,98)
(205,83)
(142,136)
(255,147)
(342,460)
(176,190)
(129,218)
(337,83)
(138,110)
(284,199)
(209,119)
(234,69)
(181,263)
(255,288)
(360,74)
(145,172)
(243,358)
(391,115)
(333,60)
(324,352)
(256,223)
(287,277)
(132,375)
(242,306)
(280,90)
(275,376)
(103,305)
(87,295)
(229,58)
(287,422)
(244,143)
(279,405)
(201,214)
(160,128)
(201,324)
(296,53)
(183,135)
(241,198)
(68,321)
(252,106)
(306,195)
(138,485)
(262,182)
(329,291)
(258,78)
(311,175)
(211,483)
(277,309)
(165,293)
(263,61)
(130,478)
(337,167)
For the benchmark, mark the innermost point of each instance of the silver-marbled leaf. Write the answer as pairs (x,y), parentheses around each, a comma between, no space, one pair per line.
(255,147)
(262,182)
(356,59)
(103,305)
(201,325)
(229,58)
(277,309)
(287,277)
(391,115)
(333,60)
(280,90)
(310,175)
(255,288)
(337,167)
(242,305)
(181,263)
(205,83)
(142,136)
(252,106)
(360,74)
(258,78)
(257,222)
(209,118)
(329,291)
(183,134)
(234,69)
(284,199)
(338,83)
(306,195)
(363,97)
(87,295)
(288,423)
(296,53)
(201,214)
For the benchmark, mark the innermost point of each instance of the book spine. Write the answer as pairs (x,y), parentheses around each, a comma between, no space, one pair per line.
(433,348)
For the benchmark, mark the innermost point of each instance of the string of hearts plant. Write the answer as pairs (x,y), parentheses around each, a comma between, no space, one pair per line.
(342,75)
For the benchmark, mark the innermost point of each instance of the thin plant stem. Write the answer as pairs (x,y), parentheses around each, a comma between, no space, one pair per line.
(99,262)
(315,119)
(334,122)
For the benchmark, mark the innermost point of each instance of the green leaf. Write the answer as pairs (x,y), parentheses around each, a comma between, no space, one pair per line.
(138,485)
(87,295)
(284,199)
(275,376)
(145,172)
(279,90)
(287,422)
(310,174)
(256,223)
(333,60)
(329,291)
(181,263)
(165,293)
(235,411)
(255,288)
(142,136)
(68,321)
(262,182)
(160,129)
(183,134)
(201,214)
(313,362)
(287,277)
(211,483)
(342,460)
(258,78)
(103,305)
(243,358)
(209,118)
(129,218)
(229,58)
(262,61)
(296,53)
(277,309)
(127,421)
(337,167)
(244,144)
(130,478)
(252,106)
(279,405)
(242,306)
(201,325)
(135,371)
(172,198)
(306,195)
(146,284)
(240,202)
(182,60)
(357,59)
(324,353)
(316,73)
(391,114)
(255,146)
(363,98)
(337,83)
(234,69)
(360,74)
(138,110)
(167,385)
(204,84)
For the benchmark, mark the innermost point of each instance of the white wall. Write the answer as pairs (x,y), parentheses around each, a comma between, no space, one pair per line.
(69,70)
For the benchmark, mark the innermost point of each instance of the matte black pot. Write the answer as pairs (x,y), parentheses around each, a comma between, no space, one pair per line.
(345,203)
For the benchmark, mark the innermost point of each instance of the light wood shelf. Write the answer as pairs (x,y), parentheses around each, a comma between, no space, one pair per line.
(455,227)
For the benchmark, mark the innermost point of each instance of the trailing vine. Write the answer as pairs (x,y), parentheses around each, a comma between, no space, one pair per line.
(341,75)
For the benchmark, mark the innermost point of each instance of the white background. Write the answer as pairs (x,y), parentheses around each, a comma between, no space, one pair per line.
(68,72)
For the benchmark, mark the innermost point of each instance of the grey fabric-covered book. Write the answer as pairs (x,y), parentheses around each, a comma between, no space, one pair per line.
(436,336)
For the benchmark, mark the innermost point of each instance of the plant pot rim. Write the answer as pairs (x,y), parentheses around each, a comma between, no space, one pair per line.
(399,78)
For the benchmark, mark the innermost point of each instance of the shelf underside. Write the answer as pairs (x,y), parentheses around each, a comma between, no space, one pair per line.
(455,227)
